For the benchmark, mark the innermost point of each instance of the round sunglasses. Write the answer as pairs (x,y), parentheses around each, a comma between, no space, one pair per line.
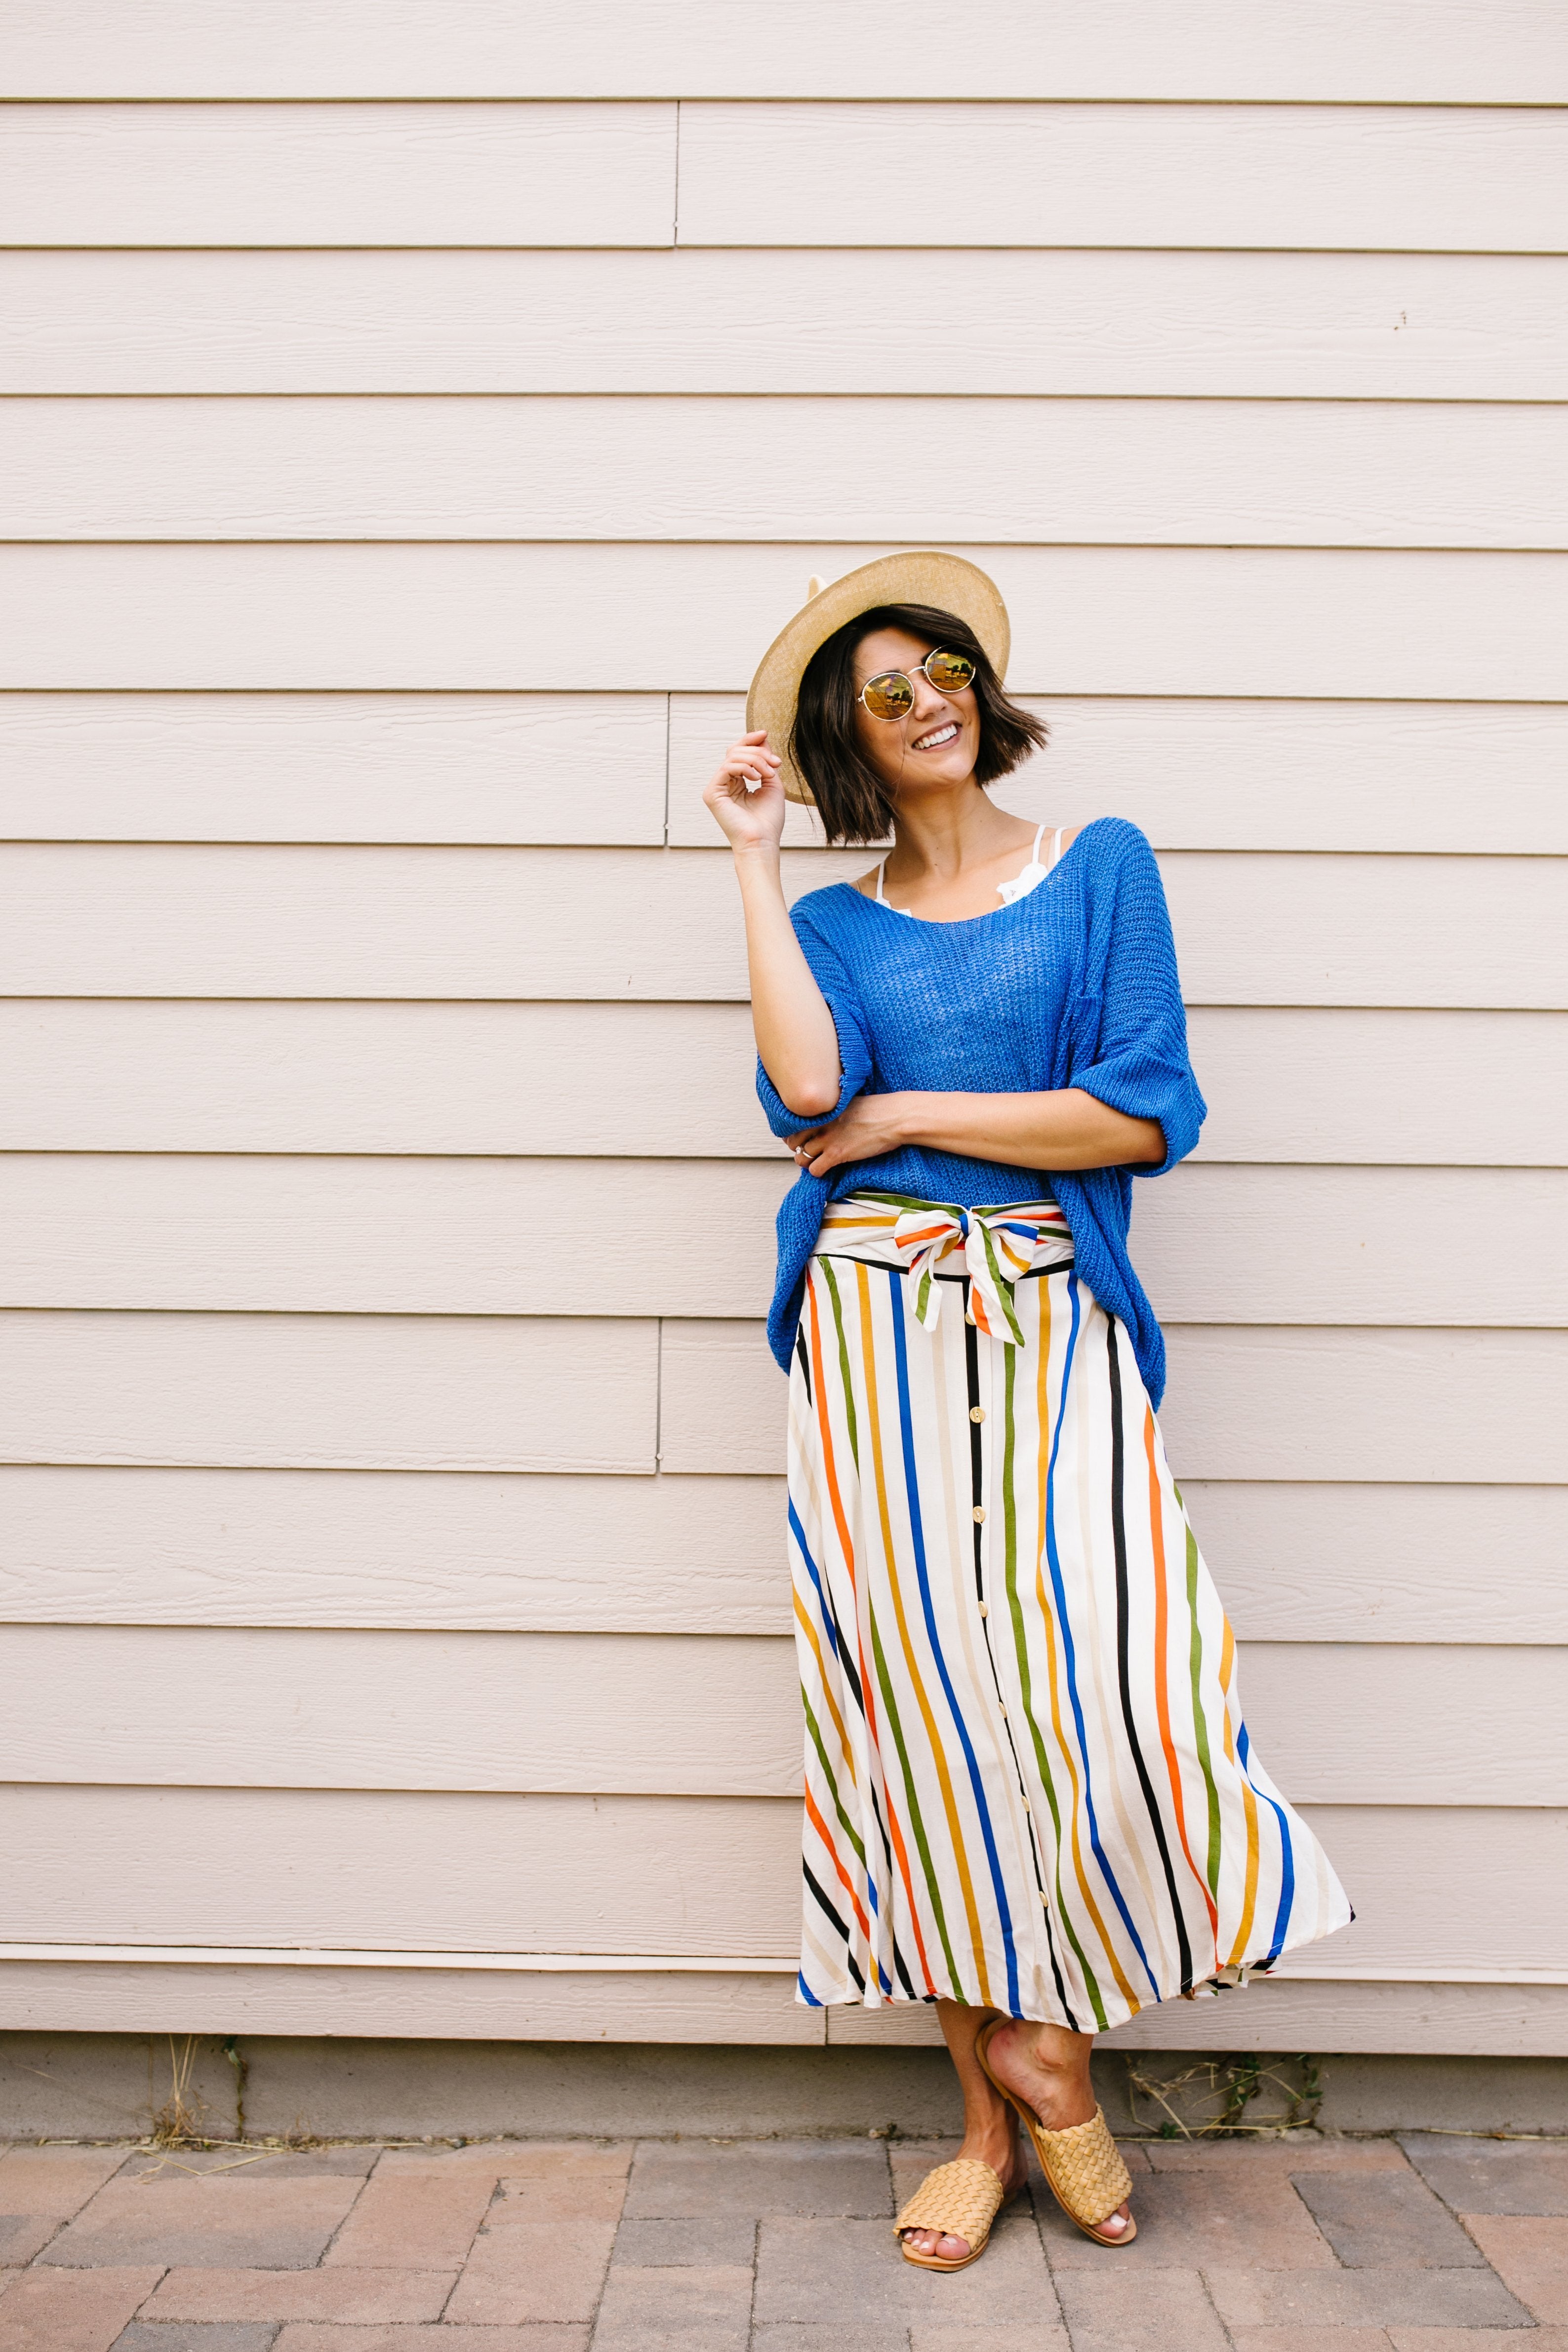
(891,694)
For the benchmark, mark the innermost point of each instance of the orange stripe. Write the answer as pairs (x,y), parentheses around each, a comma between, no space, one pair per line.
(821,1829)
(933,1741)
(1162,1677)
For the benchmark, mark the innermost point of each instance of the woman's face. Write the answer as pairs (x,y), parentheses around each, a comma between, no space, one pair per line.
(940,742)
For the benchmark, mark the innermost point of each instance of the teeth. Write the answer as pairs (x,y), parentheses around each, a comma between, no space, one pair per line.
(942,735)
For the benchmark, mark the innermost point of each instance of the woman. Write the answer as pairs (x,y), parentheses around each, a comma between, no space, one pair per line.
(1030,1794)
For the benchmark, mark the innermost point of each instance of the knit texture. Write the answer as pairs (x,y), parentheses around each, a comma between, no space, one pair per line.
(1073,985)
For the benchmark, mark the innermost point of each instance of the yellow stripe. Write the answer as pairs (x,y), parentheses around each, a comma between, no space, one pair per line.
(810,1633)
(1250,1894)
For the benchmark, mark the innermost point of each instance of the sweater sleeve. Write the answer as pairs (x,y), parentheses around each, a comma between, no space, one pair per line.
(848,1020)
(1139,1062)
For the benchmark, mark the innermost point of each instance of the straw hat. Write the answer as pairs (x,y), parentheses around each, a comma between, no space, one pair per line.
(923,576)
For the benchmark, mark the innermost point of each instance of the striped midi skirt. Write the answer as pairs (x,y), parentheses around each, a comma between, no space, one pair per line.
(1028,1780)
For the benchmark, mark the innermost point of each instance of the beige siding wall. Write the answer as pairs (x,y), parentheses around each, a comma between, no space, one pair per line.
(416,424)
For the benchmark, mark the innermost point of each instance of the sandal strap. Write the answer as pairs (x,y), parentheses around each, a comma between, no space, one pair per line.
(1085,2169)
(960,2199)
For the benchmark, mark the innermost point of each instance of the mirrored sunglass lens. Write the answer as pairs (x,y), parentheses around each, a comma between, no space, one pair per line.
(949,673)
(889,696)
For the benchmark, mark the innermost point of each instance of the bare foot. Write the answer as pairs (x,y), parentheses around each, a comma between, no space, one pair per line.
(1005,2157)
(1054,2082)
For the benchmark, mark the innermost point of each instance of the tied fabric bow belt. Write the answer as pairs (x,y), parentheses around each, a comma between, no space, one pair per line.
(931,1243)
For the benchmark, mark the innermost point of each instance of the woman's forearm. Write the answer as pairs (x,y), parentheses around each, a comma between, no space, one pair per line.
(1069,1130)
(795,1039)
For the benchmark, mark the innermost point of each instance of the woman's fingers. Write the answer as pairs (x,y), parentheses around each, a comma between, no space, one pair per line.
(750,759)
(815,1151)
(746,767)
(745,792)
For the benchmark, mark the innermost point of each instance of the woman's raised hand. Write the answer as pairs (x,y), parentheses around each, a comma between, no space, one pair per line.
(747,797)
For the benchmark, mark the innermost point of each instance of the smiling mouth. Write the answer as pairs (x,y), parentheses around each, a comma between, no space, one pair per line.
(934,741)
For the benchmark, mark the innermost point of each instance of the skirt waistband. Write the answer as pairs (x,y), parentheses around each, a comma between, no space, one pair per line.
(990,1248)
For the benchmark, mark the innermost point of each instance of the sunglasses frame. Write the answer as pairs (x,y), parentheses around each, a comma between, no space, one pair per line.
(893,719)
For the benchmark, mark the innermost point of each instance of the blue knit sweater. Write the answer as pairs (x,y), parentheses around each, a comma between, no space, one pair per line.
(1072,985)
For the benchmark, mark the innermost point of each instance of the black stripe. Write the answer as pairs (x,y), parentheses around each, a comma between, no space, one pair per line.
(803,1359)
(1119,1533)
(976,1452)
(846,1663)
(818,1891)
(848,1956)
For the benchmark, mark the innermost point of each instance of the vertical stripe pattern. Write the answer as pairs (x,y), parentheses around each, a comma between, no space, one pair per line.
(1028,1783)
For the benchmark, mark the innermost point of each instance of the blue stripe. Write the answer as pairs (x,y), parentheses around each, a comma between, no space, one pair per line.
(798,1532)
(917,1537)
(1070,1657)
(1287,1857)
(807,1995)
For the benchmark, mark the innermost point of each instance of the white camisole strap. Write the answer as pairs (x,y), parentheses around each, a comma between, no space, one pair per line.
(1033,859)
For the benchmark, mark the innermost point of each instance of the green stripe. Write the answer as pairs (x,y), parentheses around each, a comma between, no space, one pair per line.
(1020,1646)
(1200,1728)
(846,1384)
(1003,1286)
(844,1822)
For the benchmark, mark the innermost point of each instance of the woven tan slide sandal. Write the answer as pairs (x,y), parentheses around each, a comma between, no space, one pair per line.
(1087,2176)
(961,2199)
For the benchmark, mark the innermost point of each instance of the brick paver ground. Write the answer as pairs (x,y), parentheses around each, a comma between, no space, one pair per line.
(1427,2243)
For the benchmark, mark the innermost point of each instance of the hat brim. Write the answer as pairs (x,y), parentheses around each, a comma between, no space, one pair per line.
(922,576)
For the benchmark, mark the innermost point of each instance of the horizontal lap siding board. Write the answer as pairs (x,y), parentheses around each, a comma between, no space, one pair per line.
(51,1995)
(448,1237)
(885,174)
(316,1413)
(538,768)
(1140,473)
(1408,51)
(1313,1085)
(559,768)
(395,1549)
(1455,180)
(362,175)
(606,617)
(694,1877)
(418,1392)
(220,921)
(678,1714)
(1296,326)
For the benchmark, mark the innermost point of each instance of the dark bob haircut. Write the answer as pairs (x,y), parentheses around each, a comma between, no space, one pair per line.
(853,801)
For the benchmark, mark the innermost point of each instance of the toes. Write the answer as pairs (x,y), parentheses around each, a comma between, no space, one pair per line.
(1115,2223)
(932,2241)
